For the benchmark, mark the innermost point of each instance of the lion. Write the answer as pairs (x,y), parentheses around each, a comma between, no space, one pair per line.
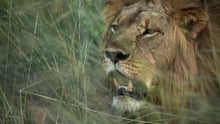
(163,53)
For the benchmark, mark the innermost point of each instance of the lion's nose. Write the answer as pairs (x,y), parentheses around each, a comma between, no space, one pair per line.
(116,56)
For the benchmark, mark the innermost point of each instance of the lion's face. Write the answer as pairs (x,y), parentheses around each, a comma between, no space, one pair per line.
(139,44)
(151,45)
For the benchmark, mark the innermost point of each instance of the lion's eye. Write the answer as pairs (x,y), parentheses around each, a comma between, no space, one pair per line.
(114,28)
(150,32)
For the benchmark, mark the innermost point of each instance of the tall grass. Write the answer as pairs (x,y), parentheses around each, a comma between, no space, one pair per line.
(50,69)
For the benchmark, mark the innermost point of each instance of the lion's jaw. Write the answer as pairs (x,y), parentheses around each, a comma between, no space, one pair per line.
(125,103)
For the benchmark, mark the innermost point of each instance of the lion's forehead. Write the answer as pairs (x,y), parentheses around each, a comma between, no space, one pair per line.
(129,15)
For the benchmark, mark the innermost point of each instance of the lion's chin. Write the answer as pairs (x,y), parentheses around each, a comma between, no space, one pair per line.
(126,104)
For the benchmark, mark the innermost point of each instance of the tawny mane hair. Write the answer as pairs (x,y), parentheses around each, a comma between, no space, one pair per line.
(196,25)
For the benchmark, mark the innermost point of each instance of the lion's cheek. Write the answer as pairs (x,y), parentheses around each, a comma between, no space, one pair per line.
(147,71)
(146,76)
(164,55)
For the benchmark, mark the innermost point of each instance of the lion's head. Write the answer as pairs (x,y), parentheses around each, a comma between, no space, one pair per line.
(153,51)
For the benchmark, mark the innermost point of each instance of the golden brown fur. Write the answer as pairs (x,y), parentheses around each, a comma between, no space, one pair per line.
(194,71)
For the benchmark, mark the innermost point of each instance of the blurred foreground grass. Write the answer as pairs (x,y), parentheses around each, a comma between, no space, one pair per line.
(50,62)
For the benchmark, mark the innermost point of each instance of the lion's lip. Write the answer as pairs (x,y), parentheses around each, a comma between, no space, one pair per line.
(129,86)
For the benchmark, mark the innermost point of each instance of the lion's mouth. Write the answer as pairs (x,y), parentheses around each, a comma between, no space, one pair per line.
(128,94)
(124,86)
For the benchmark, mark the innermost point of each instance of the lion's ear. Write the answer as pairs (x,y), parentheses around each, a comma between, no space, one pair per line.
(192,20)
